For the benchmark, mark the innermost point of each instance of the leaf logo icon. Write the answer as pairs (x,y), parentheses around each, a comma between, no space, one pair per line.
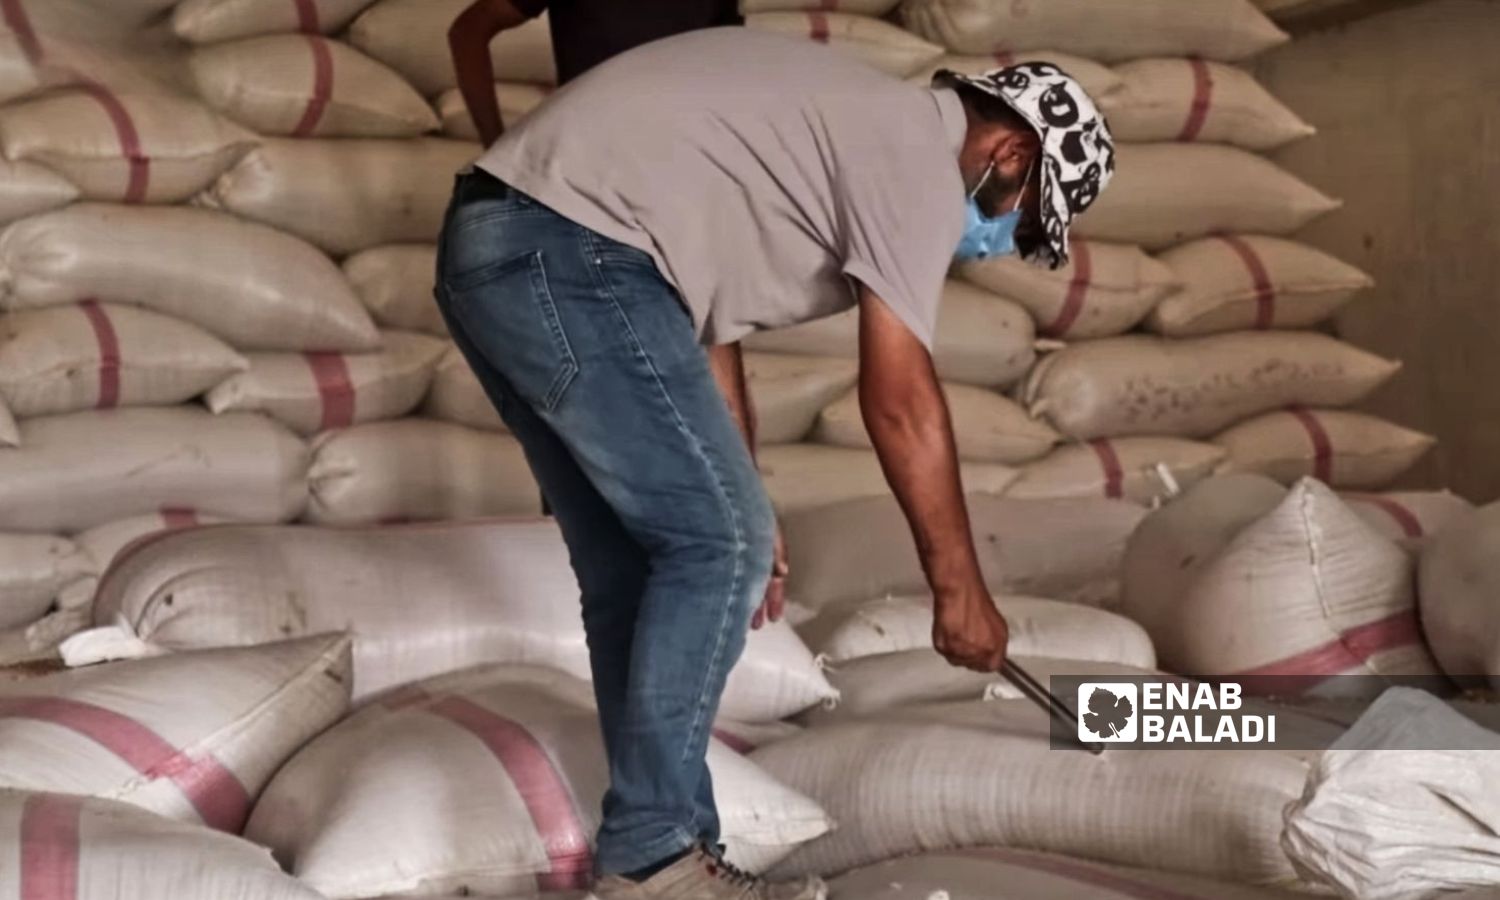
(1108,714)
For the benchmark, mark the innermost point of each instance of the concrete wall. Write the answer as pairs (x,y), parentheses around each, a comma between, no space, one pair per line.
(1407,104)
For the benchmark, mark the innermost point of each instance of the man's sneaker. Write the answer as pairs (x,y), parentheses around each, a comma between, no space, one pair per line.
(701,875)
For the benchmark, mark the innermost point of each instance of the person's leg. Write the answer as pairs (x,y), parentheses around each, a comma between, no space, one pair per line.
(599,347)
(609,565)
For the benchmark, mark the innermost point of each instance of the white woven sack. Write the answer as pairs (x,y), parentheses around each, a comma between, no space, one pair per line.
(319,391)
(486,781)
(76,471)
(880,44)
(1197,100)
(395,283)
(1346,450)
(1409,517)
(983,773)
(1306,591)
(308,86)
(1004,873)
(211,21)
(78,848)
(1066,549)
(875,685)
(1195,388)
(10,435)
(1231,282)
(345,195)
(254,287)
(416,469)
(34,569)
(133,148)
(516,99)
(28,188)
(1104,290)
(193,736)
(788,392)
(1402,806)
(1165,194)
(806,476)
(981,339)
(1458,579)
(1045,628)
(989,427)
(876,8)
(99,356)
(744,737)
(1098,29)
(411,36)
(1098,80)
(485,591)
(103,543)
(1143,470)
(457,396)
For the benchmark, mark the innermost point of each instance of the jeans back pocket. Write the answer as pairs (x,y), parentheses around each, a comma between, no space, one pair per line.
(507,312)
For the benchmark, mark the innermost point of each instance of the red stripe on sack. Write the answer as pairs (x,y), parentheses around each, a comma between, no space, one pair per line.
(1203,98)
(1410,524)
(335,389)
(322,90)
(129,138)
(109,353)
(734,742)
(1350,650)
(1322,445)
(217,795)
(16,19)
(540,785)
(50,847)
(1265,293)
(1079,871)
(174,517)
(1114,474)
(1078,290)
(307,17)
(818,27)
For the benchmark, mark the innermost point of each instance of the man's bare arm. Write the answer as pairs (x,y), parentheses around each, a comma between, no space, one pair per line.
(907,418)
(469,40)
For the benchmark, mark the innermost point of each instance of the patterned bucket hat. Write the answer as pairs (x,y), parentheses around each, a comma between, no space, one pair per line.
(1078,153)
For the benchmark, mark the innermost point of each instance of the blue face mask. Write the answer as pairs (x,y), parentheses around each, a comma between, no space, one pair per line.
(985,237)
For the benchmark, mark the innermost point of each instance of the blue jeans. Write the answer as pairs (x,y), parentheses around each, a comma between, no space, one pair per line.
(593,363)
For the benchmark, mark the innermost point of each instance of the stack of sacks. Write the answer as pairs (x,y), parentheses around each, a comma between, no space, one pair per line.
(483,782)
(1190,189)
(420,600)
(346,162)
(1283,590)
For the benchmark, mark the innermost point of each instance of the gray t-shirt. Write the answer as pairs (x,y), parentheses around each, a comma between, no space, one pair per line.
(760,172)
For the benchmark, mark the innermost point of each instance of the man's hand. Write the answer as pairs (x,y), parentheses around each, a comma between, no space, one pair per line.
(774,604)
(969,631)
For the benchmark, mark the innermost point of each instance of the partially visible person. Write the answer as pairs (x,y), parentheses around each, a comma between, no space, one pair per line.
(584,34)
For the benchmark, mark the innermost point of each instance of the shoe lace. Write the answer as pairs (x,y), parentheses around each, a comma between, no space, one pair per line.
(731,873)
